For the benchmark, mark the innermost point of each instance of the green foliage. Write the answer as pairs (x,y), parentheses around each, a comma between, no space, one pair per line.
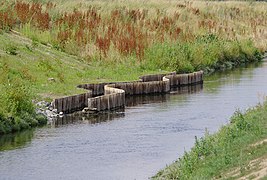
(17,111)
(35,41)
(11,49)
(207,52)
(17,98)
(29,48)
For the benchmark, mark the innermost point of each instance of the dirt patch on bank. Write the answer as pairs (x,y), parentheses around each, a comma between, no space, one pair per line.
(255,169)
(259,173)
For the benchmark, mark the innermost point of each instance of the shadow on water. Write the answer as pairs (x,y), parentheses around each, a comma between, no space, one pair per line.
(16,140)
(137,100)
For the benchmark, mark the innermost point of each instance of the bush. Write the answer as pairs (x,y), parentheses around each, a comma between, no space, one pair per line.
(11,49)
(17,111)
(18,98)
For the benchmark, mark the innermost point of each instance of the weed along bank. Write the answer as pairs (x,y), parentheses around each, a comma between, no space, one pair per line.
(110,96)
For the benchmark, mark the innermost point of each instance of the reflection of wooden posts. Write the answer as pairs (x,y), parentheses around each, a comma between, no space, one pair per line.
(107,96)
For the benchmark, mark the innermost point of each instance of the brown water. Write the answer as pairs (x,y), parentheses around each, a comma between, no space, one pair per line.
(135,143)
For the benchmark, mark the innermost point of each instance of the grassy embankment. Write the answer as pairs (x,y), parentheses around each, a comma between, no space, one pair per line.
(70,43)
(237,150)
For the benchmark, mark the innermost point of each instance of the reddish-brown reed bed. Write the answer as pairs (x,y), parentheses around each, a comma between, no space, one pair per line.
(127,31)
(33,13)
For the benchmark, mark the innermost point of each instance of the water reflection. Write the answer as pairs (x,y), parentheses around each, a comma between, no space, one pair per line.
(235,76)
(17,140)
(130,101)
(80,117)
(187,89)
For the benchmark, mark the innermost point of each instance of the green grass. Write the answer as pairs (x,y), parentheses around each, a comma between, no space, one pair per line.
(208,53)
(214,155)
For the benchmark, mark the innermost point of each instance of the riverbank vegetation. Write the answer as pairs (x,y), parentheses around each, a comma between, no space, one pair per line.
(237,150)
(17,111)
(52,46)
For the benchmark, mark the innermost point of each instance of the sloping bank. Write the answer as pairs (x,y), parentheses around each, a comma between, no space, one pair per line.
(236,150)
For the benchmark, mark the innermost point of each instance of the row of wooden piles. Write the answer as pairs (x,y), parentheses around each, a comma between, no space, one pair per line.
(107,96)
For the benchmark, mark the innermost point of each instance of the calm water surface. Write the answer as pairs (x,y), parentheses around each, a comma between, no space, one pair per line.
(135,143)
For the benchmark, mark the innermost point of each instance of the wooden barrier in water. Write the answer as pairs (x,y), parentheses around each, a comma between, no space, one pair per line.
(107,96)
(97,89)
(185,79)
(71,103)
(155,77)
(112,99)
(138,88)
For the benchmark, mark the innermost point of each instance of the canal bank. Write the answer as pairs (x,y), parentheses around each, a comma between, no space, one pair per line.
(237,150)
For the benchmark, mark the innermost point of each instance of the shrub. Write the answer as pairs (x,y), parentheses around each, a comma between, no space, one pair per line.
(18,98)
(11,49)
(17,111)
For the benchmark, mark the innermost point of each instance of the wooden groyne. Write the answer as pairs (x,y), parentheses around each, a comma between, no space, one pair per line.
(185,79)
(154,77)
(71,103)
(138,88)
(108,96)
(112,99)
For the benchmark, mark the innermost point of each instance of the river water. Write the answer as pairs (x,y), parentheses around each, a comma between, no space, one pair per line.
(134,143)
